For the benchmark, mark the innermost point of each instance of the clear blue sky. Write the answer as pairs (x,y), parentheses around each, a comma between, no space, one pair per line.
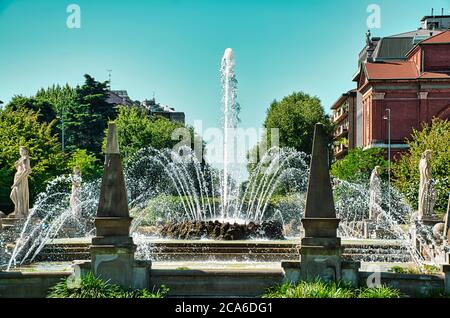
(173,48)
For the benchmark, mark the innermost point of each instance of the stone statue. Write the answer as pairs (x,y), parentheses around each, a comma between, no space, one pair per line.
(75,197)
(20,195)
(375,194)
(426,197)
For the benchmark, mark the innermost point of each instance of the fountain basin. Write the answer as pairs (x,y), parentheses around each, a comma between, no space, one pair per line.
(164,250)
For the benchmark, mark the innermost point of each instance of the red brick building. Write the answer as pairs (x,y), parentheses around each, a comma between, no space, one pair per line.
(415,90)
(407,73)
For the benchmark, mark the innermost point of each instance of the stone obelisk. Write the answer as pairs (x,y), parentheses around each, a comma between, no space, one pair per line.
(112,249)
(320,248)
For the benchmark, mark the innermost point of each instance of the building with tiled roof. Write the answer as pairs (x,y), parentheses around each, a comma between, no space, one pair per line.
(407,73)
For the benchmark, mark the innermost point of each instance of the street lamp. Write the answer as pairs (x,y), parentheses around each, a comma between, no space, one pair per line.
(62,128)
(388,118)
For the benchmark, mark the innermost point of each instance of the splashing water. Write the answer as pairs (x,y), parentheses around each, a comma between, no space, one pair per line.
(231,118)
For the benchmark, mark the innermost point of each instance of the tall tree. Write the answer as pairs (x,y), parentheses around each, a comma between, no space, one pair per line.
(88,115)
(44,107)
(294,117)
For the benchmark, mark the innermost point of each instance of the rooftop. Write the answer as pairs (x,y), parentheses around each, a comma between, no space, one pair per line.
(435,17)
(442,37)
(391,70)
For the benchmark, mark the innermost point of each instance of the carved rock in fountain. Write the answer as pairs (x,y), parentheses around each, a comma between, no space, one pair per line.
(194,230)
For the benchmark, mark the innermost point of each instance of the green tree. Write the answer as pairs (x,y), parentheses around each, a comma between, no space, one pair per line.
(358,164)
(435,137)
(137,130)
(24,128)
(87,117)
(45,108)
(295,116)
(59,96)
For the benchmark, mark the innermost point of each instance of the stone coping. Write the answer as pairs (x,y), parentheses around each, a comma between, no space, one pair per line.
(288,241)
(14,275)
(401,276)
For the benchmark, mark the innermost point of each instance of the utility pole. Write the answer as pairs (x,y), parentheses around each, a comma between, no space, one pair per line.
(388,118)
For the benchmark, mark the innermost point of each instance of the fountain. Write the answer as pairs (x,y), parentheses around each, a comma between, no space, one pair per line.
(174,197)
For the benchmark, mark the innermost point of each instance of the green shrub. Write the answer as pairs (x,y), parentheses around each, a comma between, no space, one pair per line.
(435,137)
(425,269)
(317,289)
(379,292)
(90,166)
(320,289)
(93,287)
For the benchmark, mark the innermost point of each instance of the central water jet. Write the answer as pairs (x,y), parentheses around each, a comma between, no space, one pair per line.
(229,110)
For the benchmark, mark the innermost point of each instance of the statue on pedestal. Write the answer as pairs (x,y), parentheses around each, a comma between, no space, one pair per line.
(75,196)
(426,195)
(20,194)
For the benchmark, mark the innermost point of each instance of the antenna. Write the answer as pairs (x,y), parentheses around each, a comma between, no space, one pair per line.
(153,95)
(109,78)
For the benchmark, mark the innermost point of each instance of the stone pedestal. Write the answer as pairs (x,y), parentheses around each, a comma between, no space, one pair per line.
(446,270)
(291,271)
(114,264)
(140,272)
(321,250)
(350,272)
(112,249)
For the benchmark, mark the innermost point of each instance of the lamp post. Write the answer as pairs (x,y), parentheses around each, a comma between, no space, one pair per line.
(62,128)
(388,118)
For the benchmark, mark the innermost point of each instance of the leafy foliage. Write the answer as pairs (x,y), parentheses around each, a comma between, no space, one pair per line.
(435,137)
(45,108)
(358,164)
(24,128)
(294,117)
(320,289)
(88,164)
(93,287)
(425,269)
(379,292)
(87,116)
(136,130)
